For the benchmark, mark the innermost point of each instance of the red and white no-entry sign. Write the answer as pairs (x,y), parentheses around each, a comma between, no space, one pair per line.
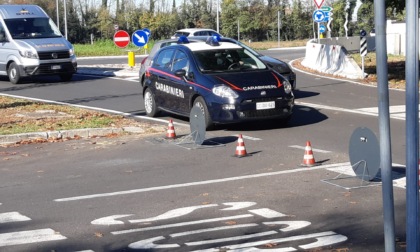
(121,39)
(318,3)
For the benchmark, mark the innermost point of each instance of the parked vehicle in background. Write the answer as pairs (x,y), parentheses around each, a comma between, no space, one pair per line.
(195,32)
(31,44)
(280,66)
(225,80)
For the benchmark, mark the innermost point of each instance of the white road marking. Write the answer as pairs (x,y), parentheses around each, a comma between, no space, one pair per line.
(149,244)
(205,182)
(237,205)
(303,148)
(110,220)
(181,224)
(33,236)
(291,225)
(251,138)
(279,240)
(173,213)
(12,217)
(234,238)
(324,241)
(267,213)
(187,233)
(288,249)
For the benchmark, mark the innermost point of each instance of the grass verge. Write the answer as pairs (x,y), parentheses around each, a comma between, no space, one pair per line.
(22,116)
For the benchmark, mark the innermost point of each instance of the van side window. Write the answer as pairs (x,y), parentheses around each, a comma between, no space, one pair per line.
(2,34)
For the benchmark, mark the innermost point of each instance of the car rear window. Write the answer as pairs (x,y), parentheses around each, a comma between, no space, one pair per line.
(179,34)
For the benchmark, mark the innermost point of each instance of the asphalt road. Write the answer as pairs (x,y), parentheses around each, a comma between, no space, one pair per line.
(149,193)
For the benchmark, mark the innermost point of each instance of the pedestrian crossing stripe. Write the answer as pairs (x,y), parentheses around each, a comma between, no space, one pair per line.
(12,217)
(31,236)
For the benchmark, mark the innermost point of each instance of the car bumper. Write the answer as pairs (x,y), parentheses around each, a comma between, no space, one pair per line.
(247,111)
(49,69)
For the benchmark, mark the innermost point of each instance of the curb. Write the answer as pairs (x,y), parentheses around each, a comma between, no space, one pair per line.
(105,70)
(62,134)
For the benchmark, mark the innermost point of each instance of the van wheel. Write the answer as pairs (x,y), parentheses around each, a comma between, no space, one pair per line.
(13,73)
(66,77)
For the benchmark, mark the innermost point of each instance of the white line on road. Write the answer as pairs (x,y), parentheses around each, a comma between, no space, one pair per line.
(235,238)
(267,213)
(188,233)
(205,182)
(181,224)
(251,138)
(12,217)
(32,236)
(303,148)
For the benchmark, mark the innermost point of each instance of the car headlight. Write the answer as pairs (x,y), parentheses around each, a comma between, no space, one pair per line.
(287,86)
(225,91)
(28,54)
(71,52)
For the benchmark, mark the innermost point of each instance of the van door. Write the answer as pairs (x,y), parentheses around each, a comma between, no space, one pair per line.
(4,50)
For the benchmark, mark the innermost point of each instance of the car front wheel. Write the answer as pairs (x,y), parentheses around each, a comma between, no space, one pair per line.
(150,104)
(199,102)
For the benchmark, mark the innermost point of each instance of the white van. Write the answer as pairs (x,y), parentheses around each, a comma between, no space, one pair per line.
(31,44)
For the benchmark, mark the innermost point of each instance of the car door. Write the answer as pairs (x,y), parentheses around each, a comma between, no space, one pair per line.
(161,78)
(183,90)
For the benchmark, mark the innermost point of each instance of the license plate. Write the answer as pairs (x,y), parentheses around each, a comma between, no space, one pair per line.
(55,67)
(266,105)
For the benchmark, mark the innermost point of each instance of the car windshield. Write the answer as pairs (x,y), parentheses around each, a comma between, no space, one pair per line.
(28,28)
(226,60)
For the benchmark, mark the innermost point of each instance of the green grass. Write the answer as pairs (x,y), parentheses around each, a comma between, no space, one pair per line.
(108,48)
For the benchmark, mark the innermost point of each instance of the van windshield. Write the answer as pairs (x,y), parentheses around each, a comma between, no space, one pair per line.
(29,28)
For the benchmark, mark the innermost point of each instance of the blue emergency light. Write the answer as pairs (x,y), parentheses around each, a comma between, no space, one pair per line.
(213,40)
(183,40)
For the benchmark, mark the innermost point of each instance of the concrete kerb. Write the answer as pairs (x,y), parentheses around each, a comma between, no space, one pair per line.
(120,70)
(64,134)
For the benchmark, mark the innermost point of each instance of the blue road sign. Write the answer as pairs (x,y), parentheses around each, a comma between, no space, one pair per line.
(322,28)
(318,16)
(328,15)
(147,31)
(140,38)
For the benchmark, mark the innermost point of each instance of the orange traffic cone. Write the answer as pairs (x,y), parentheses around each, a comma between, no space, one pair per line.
(308,157)
(170,133)
(240,147)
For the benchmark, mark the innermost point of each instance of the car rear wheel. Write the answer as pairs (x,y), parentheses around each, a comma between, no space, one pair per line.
(150,104)
(13,73)
(199,102)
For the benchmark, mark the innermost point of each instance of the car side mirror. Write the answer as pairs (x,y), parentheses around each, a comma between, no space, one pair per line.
(180,73)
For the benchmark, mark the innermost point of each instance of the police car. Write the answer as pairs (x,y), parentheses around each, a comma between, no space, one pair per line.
(226,81)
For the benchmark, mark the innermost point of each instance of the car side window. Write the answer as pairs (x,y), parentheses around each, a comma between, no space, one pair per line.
(164,59)
(180,61)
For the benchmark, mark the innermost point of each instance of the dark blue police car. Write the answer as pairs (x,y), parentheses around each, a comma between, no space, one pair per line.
(228,82)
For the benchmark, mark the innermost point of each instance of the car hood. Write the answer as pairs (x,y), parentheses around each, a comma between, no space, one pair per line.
(278,65)
(249,81)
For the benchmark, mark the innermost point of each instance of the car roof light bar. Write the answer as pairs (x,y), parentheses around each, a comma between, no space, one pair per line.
(213,40)
(183,40)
